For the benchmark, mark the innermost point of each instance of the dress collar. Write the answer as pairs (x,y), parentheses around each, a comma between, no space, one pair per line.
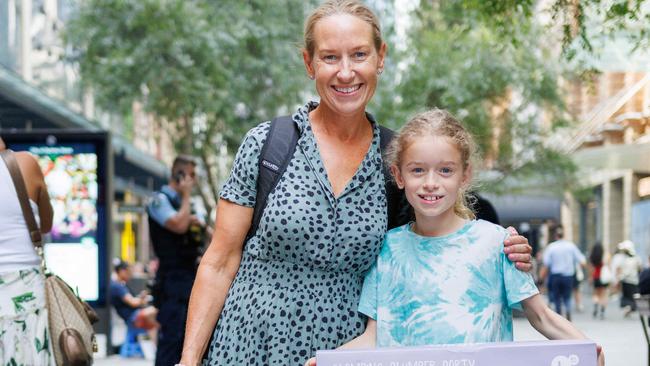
(371,163)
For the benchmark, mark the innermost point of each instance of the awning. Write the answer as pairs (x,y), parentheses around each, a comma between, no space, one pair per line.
(635,156)
(520,208)
(25,107)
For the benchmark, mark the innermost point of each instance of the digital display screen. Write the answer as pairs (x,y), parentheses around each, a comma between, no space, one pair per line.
(71,248)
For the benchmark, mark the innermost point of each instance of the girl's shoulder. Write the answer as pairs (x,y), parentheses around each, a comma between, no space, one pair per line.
(398,232)
(488,232)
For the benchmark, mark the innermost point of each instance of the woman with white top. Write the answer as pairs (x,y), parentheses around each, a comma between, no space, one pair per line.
(24,335)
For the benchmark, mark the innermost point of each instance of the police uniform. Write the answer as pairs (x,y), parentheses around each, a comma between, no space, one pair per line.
(177,255)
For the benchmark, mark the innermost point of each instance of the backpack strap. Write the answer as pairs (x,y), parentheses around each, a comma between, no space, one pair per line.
(21,191)
(276,153)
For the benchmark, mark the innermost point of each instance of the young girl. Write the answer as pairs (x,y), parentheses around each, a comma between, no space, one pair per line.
(444,278)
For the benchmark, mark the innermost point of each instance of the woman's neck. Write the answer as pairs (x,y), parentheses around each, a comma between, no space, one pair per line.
(343,127)
(440,225)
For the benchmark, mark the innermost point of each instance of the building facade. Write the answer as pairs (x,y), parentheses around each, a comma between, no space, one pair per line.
(611,147)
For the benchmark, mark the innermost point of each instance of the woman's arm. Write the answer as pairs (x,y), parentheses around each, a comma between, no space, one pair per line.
(365,340)
(216,272)
(36,188)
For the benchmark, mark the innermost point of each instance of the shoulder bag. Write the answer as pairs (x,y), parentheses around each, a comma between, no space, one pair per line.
(69,318)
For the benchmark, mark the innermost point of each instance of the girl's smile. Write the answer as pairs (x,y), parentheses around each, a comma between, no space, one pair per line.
(432,175)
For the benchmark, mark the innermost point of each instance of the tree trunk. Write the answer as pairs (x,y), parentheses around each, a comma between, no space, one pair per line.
(188,145)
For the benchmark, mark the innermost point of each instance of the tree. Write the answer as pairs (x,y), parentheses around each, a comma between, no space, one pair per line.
(506,91)
(210,69)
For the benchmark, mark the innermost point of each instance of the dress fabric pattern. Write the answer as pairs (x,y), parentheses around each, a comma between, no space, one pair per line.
(298,285)
(24,335)
(458,288)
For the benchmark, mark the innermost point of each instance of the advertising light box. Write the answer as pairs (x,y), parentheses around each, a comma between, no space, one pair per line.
(74,166)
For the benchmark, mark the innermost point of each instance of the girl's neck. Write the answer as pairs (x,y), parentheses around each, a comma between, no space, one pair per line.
(440,225)
(345,128)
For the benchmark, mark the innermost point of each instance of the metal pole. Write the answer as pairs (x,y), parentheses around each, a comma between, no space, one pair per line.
(645,331)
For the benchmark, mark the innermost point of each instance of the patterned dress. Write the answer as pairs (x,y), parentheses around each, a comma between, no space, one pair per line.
(298,285)
(24,337)
(458,288)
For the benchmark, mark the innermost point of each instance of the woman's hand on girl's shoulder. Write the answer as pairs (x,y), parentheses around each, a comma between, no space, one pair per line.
(311,362)
(518,250)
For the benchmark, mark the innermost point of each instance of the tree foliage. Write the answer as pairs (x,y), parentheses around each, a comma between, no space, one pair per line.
(211,69)
(507,93)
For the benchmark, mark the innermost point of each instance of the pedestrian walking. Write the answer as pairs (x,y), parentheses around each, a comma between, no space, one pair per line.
(601,277)
(24,330)
(628,274)
(560,260)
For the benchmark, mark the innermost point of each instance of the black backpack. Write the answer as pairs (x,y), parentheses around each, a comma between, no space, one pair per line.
(276,153)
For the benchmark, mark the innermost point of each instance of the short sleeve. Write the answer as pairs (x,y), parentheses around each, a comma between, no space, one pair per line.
(160,209)
(241,186)
(118,292)
(368,299)
(518,285)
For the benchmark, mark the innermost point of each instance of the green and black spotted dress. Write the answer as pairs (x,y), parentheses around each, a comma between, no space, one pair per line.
(298,286)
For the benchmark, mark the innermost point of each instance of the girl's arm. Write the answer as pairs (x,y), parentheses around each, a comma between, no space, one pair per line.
(548,322)
(365,340)
(552,325)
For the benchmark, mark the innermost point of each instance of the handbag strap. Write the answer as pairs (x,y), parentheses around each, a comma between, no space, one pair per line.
(19,183)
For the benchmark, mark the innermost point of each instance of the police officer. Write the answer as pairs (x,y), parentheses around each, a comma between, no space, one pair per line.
(177,237)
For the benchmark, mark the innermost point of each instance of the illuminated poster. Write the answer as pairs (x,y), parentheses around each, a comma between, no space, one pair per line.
(71,252)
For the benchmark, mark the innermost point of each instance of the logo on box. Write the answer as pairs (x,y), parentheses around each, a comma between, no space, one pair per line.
(565,361)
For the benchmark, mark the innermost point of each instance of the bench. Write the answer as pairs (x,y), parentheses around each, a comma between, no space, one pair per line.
(643,307)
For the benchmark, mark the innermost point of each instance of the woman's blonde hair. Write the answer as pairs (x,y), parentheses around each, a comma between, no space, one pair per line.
(438,122)
(332,7)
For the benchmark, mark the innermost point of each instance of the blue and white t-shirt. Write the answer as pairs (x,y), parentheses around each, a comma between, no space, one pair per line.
(458,288)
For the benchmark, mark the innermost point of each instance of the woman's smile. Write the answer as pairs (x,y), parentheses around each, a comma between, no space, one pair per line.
(347,90)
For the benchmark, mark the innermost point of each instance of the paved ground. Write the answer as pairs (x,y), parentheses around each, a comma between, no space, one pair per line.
(621,338)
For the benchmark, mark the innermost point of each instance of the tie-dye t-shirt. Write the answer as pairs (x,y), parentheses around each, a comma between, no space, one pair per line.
(458,288)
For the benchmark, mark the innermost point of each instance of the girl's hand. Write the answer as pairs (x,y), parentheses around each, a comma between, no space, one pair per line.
(312,362)
(599,352)
(518,250)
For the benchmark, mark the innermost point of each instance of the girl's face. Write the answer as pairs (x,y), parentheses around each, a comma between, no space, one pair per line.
(431,174)
(345,63)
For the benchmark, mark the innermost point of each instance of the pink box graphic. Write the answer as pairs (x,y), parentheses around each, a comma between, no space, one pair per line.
(537,353)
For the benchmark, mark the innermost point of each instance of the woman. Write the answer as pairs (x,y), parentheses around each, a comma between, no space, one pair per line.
(293,287)
(24,338)
(598,261)
(628,274)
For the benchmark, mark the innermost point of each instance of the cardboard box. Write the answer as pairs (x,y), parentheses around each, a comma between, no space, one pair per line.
(537,353)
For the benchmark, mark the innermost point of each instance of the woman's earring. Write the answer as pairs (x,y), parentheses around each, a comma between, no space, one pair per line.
(379,71)
(311,76)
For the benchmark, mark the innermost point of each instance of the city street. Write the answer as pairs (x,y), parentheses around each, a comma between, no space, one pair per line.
(621,338)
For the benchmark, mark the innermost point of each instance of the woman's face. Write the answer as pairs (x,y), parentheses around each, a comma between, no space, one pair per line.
(345,63)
